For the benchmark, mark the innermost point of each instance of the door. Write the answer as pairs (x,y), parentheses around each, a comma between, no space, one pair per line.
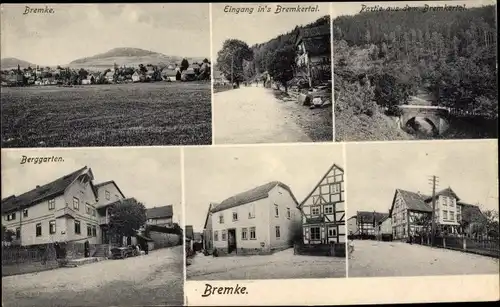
(231,240)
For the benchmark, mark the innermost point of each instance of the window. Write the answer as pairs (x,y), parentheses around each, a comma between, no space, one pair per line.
(315,210)
(77,227)
(76,203)
(288,215)
(38,229)
(252,233)
(452,215)
(224,235)
(93,212)
(235,216)
(251,212)
(328,209)
(459,218)
(244,234)
(452,202)
(18,233)
(216,235)
(332,232)
(404,216)
(87,208)
(334,188)
(445,201)
(276,211)
(278,234)
(89,231)
(11,216)
(221,218)
(108,195)
(52,227)
(445,215)
(315,233)
(52,204)
(94,231)
(25,213)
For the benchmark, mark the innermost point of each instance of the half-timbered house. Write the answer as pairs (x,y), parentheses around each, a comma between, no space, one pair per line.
(323,211)
(411,213)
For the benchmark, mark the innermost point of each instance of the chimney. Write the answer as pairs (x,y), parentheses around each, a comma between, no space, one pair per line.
(37,186)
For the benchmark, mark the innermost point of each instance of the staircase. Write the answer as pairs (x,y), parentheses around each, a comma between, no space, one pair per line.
(101,251)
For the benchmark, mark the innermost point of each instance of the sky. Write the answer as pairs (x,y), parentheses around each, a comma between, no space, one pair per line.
(375,170)
(82,30)
(151,175)
(213,174)
(257,27)
(353,8)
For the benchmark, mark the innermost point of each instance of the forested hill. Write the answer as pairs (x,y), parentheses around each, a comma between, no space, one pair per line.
(380,26)
(262,53)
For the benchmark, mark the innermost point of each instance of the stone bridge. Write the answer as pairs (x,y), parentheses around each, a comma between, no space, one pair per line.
(435,116)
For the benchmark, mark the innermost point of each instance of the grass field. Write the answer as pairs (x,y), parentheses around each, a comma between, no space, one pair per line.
(138,114)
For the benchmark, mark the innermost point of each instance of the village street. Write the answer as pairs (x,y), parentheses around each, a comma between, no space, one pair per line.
(374,258)
(253,115)
(154,279)
(280,265)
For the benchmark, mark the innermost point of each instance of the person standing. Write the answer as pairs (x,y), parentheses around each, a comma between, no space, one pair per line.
(87,248)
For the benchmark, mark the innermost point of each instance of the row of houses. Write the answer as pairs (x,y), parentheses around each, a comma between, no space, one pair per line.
(269,217)
(411,214)
(70,208)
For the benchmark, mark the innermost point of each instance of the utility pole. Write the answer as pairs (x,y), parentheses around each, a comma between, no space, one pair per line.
(433,181)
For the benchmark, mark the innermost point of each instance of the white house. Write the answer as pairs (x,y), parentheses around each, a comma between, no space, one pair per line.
(323,210)
(262,219)
(136,77)
(160,216)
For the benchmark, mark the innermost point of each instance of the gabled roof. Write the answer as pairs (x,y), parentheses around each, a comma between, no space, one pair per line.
(446,192)
(252,195)
(318,31)
(367,216)
(160,212)
(414,201)
(44,192)
(319,182)
(211,206)
(169,72)
(109,182)
(317,46)
(189,231)
(470,212)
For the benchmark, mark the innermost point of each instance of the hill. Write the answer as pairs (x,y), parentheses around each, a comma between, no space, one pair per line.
(128,57)
(9,63)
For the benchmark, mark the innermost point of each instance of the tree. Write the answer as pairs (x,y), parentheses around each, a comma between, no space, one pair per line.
(184,64)
(230,59)
(126,217)
(7,234)
(281,65)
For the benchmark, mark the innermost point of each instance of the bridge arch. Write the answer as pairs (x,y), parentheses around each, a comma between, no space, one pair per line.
(436,117)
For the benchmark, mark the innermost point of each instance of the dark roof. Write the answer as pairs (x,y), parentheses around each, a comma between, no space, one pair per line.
(367,216)
(159,212)
(40,193)
(318,31)
(169,72)
(317,46)
(110,182)
(252,195)
(470,213)
(189,232)
(415,201)
(446,192)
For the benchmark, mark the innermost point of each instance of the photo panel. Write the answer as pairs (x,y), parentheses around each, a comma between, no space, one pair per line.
(423,209)
(415,70)
(92,227)
(81,75)
(259,214)
(272,73)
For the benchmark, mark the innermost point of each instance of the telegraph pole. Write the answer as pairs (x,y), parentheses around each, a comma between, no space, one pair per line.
(232,59)
(433,181)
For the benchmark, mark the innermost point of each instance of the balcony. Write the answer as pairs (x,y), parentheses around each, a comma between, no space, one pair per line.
(65,212)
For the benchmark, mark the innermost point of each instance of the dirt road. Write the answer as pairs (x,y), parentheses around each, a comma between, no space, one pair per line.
(373,258)
(251,115)
(280,265)
(154,279)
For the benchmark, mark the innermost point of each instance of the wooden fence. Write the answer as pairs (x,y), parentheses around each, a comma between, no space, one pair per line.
(488,247)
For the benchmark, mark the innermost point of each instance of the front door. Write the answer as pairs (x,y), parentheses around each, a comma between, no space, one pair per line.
(231,240)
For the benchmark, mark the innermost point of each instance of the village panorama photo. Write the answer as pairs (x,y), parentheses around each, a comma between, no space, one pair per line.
(272,74)
(255,213)
(106,75)
(422,208)
(92,227)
